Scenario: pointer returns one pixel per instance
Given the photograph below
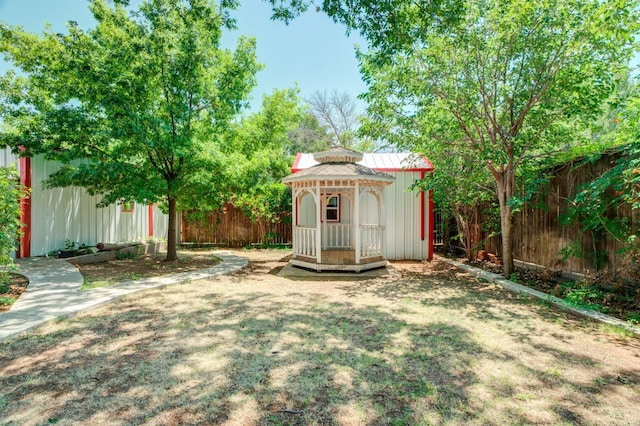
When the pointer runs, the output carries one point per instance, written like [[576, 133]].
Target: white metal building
[[53, 216], [366, 202]]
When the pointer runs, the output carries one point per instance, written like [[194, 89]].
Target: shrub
[[10, 193]]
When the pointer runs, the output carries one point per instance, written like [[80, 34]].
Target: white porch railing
[[370, 241], [304, 241], [336, 235]]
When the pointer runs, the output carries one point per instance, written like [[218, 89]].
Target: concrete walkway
[[54, 290], [562, 304]]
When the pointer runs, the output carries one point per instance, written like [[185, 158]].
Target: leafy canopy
[[139, 99], [510, 79], [260, 145]]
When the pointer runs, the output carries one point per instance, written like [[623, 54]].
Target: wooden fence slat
[[538, 235], [232, 228]]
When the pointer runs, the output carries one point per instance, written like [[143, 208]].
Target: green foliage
[[6, 301], [634, 317], [309, 136], [122, 255], [141, 99], [507, 80], [572, 249], [10, 226], [582, 295], [586, 297], [260, 144], [388, 26], [596, 204]]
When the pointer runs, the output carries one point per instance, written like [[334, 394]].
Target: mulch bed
[[618, 300], [17, 285]]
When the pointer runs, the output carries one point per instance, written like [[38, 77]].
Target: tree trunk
[[463, 229], [504, 189], [172, 253], [507, 249]]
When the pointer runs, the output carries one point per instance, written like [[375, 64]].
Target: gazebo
[[338, 213]]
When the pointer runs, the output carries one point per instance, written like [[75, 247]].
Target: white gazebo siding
[[407, 212], [61, 214]]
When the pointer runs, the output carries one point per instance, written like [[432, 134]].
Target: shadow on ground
[[436, 349]]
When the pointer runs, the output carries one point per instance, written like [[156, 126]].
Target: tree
[[508, 74], [142, 98], [10, 194], [308, 136], [388, 26], [461, 188], [337, 112], [259, 144]]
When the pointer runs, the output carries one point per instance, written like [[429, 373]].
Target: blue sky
[[312, 51]]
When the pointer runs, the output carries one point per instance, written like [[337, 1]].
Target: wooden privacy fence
[[539, 237], [232, 228]]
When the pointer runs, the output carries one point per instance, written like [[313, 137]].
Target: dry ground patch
[[431, 346], [149, 265]]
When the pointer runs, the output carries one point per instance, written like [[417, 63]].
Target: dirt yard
[[428, 345], [118, 270]]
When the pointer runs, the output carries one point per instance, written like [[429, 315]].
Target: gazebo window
[[332, 210]]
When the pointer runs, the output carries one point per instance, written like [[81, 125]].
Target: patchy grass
[[431, 347], [134, 268]]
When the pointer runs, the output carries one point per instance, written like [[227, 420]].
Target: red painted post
[[25, 209], [150, 220], [422, 215], [431, 226]]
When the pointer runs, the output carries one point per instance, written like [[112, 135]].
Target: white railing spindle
[[304, 241], [370, 241]]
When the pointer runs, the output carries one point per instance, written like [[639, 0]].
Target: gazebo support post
[[318, 223], [356, 220]]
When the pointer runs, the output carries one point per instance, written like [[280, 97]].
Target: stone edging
[[562, 304]]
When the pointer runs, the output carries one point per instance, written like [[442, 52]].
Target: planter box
[[137, 249]]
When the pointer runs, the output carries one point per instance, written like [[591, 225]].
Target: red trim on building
[[25, 209], [422, 216], [296, 162], [150, 220], [431, 226], [416, 169]]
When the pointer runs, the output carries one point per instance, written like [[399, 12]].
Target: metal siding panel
[[392, 223], [70, 213], [403, 219], [7, 158], [160, 223], [410, 223]]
